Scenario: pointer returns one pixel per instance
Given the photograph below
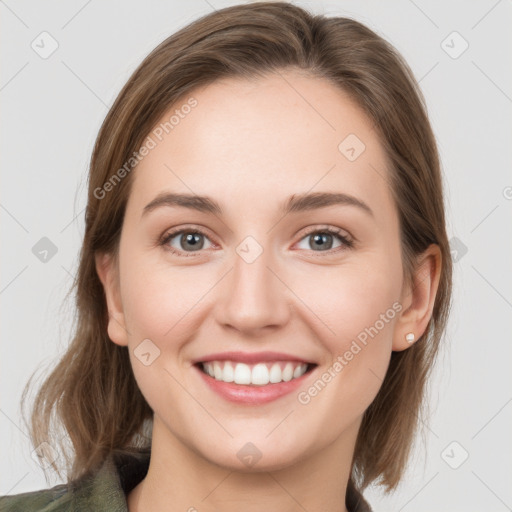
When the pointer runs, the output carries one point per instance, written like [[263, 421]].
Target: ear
[[418, 298], [108, 272]]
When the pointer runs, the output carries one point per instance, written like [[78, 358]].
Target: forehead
[[263, 138]]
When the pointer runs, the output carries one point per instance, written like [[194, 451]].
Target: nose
[[255, 298]]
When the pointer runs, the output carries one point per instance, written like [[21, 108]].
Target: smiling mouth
[[260, 374]]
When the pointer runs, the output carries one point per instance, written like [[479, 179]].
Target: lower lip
[[253, 395]]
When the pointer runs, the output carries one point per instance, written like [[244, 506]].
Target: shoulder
[[100, 491], [56, 499]]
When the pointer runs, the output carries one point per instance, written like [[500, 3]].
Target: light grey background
[[52, 110]]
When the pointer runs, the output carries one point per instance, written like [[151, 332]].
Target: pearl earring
[[410, 337]]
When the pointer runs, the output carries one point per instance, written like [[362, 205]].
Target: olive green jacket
[[106, 490]]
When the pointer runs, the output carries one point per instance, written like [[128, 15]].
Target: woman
[[264, 280]]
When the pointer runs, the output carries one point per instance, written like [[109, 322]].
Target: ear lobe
[[420, 295], [107, 270]]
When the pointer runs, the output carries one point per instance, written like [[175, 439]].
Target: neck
[[181, 479]]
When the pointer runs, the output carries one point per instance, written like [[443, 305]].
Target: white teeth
[[288, 372], [242, 374], [227, 374], [298, 372], [275, 374], [260, 374], [217, 371]]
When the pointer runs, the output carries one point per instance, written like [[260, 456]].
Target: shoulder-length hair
[[92, 392]]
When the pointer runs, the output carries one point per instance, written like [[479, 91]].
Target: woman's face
[[254, 276]]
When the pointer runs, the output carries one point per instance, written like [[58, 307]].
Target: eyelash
[[347, 243]]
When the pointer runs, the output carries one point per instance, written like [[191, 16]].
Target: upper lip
[[250, 357]]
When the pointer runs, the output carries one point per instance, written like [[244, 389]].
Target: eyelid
[[171, 233], [345, 237], [347, 240], [328, 228]]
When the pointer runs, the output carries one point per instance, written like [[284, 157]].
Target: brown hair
[[92, 391]]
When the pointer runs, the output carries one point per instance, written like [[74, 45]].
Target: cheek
[[158, 300], [350, 298], [359, 307]]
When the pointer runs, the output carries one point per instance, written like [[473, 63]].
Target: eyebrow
[[296, 203]]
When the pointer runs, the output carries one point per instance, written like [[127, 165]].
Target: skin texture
[[250, 145]]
